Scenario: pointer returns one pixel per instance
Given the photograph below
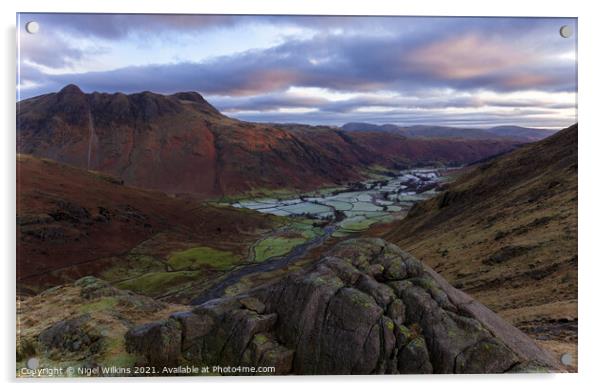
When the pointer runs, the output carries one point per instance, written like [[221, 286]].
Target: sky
[[470, 72]]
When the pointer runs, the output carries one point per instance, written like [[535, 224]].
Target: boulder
[[253, 304], [159, 343], [75, 335]]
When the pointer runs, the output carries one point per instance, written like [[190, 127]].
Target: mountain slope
[[506, 232], [181, 144], [72, 222]]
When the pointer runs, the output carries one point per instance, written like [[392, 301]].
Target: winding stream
[[345, 212], [271, 264]]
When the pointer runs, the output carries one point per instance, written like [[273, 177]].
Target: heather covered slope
[[72, 222], [181, 144], [506, 232]]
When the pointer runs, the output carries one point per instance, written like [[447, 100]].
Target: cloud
[[119, 26], [415, 58], [408, 117], [346, 64], [48, 50], [468, 57], [434, 100]]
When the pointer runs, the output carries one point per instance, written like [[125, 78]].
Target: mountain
[[516, 133], [181, 144], [506, 232], [107, 250], [73, 222]]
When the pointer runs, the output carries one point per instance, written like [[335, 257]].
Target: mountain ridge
[[517, 133], [180, 143]]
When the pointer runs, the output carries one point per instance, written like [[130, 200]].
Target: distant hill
[[520, 132], [516, 133], [506, 232], [181, 144]]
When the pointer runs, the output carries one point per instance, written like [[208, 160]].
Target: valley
[[297, 194], [81, 223], [160, 202], [358, 206], [330, 213]]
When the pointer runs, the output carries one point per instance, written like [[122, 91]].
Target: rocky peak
[[192, 96], [202, 104], [72, 103], [70, 89]]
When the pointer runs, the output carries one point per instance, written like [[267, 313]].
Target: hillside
[[72, 223], [506, 232], [181, 144]]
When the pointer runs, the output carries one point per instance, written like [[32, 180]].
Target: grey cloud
[[338, 63], [118, 26], [372, 54], [49, 50], [274, 101]]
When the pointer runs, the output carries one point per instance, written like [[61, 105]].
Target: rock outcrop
[[366, 307], [81, 325]]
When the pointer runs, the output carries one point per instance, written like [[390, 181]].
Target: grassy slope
[[275, 247], [506, 232], [199, 257]]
